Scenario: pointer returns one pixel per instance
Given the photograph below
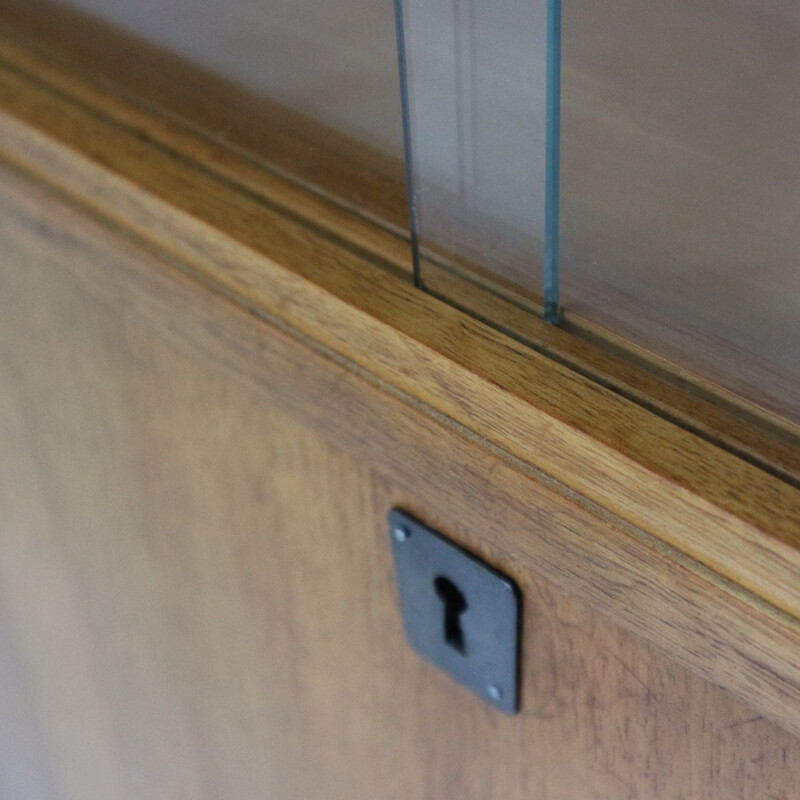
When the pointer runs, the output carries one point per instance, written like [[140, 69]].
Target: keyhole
[[454, 606]]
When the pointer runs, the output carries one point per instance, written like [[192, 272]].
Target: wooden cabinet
[[212, 390]]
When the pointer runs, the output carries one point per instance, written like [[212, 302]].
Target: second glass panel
[[479, 158]]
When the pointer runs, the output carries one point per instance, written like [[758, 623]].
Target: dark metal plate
[[458, 612]]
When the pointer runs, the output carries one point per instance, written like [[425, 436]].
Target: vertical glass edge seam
[[407, 151], [552, 310]]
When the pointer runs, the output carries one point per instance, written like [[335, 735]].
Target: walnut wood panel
[[743, 646], [196, 591]]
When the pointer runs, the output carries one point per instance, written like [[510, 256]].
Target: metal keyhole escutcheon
[[458, 612]]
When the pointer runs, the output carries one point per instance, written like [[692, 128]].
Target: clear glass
[[680, 147], [307, 54], [681, 185], [481, 114], [680, 172], [308, 87]]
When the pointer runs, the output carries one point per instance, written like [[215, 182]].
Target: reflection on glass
[[482, 135], [309, 87], [306, 54], [681, 185], [680, 144]]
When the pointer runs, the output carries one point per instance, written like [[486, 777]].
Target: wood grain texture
[[653, 383], [707, 503], [724, 637], [196, 590]]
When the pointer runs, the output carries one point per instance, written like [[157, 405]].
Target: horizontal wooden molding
[[734, 424]]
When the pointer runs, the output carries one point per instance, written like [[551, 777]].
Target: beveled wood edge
[[601, 450], [754, 434], [726, 636], [735, 427]]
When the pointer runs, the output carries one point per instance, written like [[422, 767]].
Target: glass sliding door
[[309, 88]]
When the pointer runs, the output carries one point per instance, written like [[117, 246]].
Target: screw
[[495, 693], [401, 534]]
